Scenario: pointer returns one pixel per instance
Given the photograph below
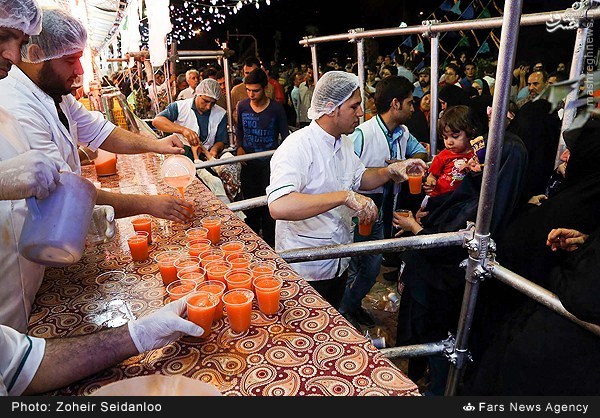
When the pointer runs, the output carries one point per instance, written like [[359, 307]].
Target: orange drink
[[405, 213], [138, 245], [196, 247], [211, 255], [239, 279], [166, 265], [187, 260], [415, 179], [217, 288], [216, 270], [268, 291], [143, 223], [213, 224], [240, 260], [180, 288], [238, 304], [105, 163], [232, 247], [364, 229], [201, 308], [195, 273], [196, 233], [262, 268]]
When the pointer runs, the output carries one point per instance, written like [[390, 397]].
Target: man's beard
[[51, 82]]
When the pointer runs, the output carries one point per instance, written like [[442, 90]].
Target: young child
[[457, 126]]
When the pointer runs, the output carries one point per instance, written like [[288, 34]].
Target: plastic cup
[[201, 307], [239, 279], [217, 288], [143, 223], [364, 229], [197, 274], [166, 265], [217, 269], [187, 260], [232, 247], [240, 260], [415, 179], [138, 245], [238, 304], [213, 254], [198, 246], [213, 224], [196, 233], [110, 282], [262, 268], [180, 288], [403, 212], [268, 292]]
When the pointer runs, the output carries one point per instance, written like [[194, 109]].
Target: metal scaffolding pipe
[[195, 53], [360, 59], [445, 239], [236, 159], [489, 23], [479, 248], [315, 63], [433, 88], [251, 203], [417, 350], [537, 293]]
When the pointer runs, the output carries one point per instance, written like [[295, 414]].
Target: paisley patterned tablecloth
[[308, 348]]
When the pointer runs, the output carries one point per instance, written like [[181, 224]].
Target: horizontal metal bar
[[489, 23], [417, 350], [537, 293], [236, 159], [193, 53], [371, 247], [254, 202]]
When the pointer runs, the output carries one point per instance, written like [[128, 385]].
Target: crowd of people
[[328, 175]]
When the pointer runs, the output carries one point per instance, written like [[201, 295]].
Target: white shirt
[[311, 161], [20, 357], [186, 93], [37, 113]]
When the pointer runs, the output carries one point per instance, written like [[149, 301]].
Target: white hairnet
[[332, 89], [209, 87], [62, 34], [23, 15]]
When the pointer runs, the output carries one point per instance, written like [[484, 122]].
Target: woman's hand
[[406, 223], [565, 239]]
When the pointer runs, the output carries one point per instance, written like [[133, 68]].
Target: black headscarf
[[453, 95]]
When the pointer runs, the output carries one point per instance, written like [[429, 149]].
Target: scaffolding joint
[[429, 23], [354, 32]]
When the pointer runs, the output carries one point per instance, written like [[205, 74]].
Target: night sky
[[291, 20]]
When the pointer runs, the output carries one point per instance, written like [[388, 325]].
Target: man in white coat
[[38, 96]]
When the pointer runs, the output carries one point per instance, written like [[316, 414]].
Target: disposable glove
[[162, 327], [398, 170], [102, 227], [29, 174], [365, 208]]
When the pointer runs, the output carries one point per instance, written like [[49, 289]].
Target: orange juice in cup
[[143, 223], [180, 288], [217, 269], [364, 229], [196, 247], [232, 247], [201, 307], [213, 254], [239, 279], [415, 179], [166, 265], [268, 292], [238, 304], [262, 268], [213, 224], [187, 260], [217, 288], [240, 260], [138, 245], [195, 273], [196, 233]]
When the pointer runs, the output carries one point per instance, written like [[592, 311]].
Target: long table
[[308, 348]]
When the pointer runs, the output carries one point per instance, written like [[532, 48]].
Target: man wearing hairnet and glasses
[[29, 364], [36, 92], [314, 178]]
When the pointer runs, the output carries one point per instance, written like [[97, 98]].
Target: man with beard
[[314, 178], [423, 84], [37, 94]]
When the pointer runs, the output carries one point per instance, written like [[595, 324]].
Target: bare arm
[[298, 206], [161, 206], [68, 360], [121, 141], [374, 177]]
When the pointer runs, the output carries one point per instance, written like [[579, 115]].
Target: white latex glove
[[32, 173], [103, 226], [398, 170], [162, 327], [365, 208]]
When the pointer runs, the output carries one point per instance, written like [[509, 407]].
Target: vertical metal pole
[[576, 67], [230, 127], [360, 60], [433, 88], [315, 63], [478, 248]]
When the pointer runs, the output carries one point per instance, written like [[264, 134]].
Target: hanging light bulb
[[268, 2]]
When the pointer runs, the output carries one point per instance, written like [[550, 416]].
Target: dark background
[[279, 27]]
